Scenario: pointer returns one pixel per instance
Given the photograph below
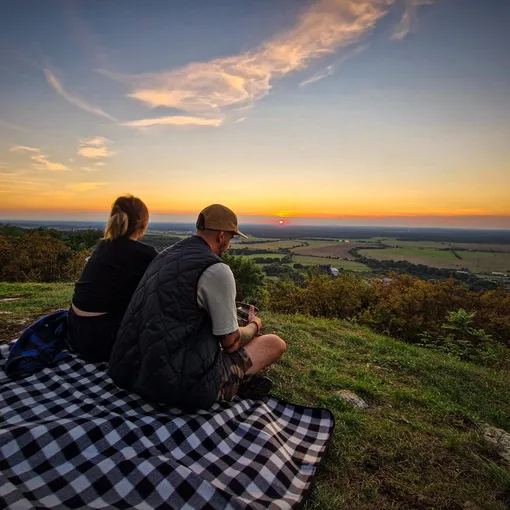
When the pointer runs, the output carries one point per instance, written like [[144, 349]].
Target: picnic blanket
[[69, 438]]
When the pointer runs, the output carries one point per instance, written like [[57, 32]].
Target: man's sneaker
[[256, 387]]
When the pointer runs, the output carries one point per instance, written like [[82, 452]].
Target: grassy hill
[[418, 445]]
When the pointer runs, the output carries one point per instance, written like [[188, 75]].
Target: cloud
[[174, 121], [409, 18], [41, 161], [206, 88], [319, 75], [18, 148], [96, 147], [242, 119], [99, 163], [85, 186], [74, 99], [329, 70]]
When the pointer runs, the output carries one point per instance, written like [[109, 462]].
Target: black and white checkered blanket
[[70, 439]]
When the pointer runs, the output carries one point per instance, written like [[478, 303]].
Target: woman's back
[[111, 275], [109, 279]]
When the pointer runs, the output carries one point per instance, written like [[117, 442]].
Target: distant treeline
[[43, 254], [424, 272], [160, 241]]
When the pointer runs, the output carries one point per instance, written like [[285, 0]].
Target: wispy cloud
[[207, 91], [40, 160], [329, 70], [85, 186], [97, 147], [208, 87], [174, 121], [213, 87], [20, 148], [242, 119], [73, 98], [409, 18], [319, 75]]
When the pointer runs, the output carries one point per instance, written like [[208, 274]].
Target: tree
[[84, 239], [249, 278]]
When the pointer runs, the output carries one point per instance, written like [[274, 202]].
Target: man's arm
[[239, 338], [242, 336]]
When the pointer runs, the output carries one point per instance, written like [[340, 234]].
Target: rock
[[10, 299], [499, 438], [352, 398]]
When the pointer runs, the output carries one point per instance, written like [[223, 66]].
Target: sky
[[348, 112]]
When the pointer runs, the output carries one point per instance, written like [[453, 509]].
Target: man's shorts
[[234, 366]]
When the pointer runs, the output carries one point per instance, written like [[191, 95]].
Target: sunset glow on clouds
[[339, 109]]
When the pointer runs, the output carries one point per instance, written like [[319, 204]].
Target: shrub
[[38, 256], [249, 278], [464, 341]]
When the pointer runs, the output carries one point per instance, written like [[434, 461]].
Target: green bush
[[443, 314], [464, 341], [249, 279]]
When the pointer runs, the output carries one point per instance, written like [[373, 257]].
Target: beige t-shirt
[[216, 294]]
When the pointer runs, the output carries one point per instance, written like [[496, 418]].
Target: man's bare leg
[[263, 351]]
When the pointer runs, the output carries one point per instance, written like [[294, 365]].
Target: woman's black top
[[111, 275]]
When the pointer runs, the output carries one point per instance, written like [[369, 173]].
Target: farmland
[[348, 265], [477, 261], [336, 250], [442, 245], [476, 257], [270, 246]]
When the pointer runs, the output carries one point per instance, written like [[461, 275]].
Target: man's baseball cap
[[218, 217]]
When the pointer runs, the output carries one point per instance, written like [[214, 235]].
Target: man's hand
[[253, 318]]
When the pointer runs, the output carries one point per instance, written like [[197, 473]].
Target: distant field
[[338, 263], [441, 245], [264, 256], [337, 250], [271, 246], [478, 261]]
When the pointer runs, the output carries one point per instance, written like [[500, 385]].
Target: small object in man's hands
[[243, 311]]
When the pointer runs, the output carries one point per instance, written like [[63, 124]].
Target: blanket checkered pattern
[[70, 439]]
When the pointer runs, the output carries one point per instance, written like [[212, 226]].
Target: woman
[[108, 281]]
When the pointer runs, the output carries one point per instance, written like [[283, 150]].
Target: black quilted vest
[[165, 349]]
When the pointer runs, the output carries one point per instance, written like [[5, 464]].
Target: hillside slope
[[418, 445]]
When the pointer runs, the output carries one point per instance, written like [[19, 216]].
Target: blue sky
[[360, 111]]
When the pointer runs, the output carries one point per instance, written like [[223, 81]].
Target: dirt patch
[[12, 327]]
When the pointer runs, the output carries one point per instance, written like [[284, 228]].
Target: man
[[180, 342]]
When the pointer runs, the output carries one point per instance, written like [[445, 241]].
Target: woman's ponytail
[[129, 214]]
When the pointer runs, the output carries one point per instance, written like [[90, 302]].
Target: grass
[[478, 261], [418, 444], [36, 299]]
